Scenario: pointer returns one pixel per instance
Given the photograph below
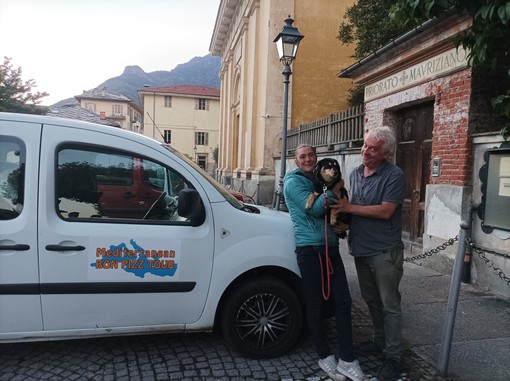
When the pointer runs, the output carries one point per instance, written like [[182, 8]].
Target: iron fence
[[344, 128]]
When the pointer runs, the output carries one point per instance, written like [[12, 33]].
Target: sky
[[67, 46]]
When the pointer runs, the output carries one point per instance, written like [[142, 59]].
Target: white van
[[107, 232]]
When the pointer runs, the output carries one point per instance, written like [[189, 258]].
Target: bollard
[[453, 297]]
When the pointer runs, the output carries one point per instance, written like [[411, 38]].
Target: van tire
[[262, 317]]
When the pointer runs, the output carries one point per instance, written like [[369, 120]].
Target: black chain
[[443, 246], [481, 254]]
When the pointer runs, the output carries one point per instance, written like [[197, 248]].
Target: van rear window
[[12, 177]]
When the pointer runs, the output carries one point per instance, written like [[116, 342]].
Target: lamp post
[[287, 43], [195, 151]]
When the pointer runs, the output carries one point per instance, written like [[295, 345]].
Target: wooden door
[[414, 148]]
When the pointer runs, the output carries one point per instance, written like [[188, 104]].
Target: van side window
[[102, 185], [12, 177]]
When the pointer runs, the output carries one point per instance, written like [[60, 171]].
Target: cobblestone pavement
[[197, 356]]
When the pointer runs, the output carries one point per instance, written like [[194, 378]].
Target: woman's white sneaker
[[351, 370], [329, 365]]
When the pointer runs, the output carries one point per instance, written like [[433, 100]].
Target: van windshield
[[225, 193]]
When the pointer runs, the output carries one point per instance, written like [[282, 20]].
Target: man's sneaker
[[351, 370], [390, 370], [367, 347], [328, 365]]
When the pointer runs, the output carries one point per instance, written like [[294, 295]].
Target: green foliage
[[215, 154], [368, 25], [487, 41], [502, 104], [356, 96], [16, 95]]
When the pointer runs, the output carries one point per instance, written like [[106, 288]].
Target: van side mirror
[[191, 206]]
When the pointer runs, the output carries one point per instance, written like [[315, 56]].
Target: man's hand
[[341, 205], [340, 228]]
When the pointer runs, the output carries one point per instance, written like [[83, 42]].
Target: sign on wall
[[431, 68]]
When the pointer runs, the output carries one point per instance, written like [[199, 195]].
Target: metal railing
[[343, 128]]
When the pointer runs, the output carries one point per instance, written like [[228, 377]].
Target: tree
[[16, 95], [487, 41], [215, 154], [367, 24]]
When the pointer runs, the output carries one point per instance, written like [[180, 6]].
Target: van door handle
[[17, 247], [65, 248], [128, 195]]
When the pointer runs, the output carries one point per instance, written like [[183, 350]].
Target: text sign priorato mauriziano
[[433, 67]]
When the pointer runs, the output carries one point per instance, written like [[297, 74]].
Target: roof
[[189, 90], [433, 28], [103, 95], [226, 11], [75, 111]]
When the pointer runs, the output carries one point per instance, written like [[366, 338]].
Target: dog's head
[[327, 172]]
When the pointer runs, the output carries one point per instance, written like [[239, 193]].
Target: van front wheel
[[262, 318]]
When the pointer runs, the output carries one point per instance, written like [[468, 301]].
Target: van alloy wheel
[[262, 318]]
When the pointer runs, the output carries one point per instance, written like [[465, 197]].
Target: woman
[[322, 270]]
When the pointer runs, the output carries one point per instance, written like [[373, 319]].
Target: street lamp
[[195, 151], [287, 43]]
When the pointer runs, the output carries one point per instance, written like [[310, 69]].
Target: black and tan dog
[[327, 175]]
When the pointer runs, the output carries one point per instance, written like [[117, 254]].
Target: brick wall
[[451, 141]]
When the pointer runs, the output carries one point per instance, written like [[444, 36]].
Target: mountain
[[202, 71]]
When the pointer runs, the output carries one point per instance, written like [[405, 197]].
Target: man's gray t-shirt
[[371, 236]]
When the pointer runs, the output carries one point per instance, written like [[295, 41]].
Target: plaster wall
[[183, 120], [317, 91], [128, 114]]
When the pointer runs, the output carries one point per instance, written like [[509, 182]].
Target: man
[[377, 189], [322, 270]]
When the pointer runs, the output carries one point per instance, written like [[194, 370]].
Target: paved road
[[197, 356], [155, 357]]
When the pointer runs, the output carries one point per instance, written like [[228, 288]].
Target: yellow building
[[252, 82], [185, 116], [112, 107]]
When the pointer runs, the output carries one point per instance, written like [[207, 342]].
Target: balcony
[[117, 116]]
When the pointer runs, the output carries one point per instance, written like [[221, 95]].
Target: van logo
[[136, 260]]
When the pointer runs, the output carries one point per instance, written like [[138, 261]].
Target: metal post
[[453, 298], [279, 193]]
